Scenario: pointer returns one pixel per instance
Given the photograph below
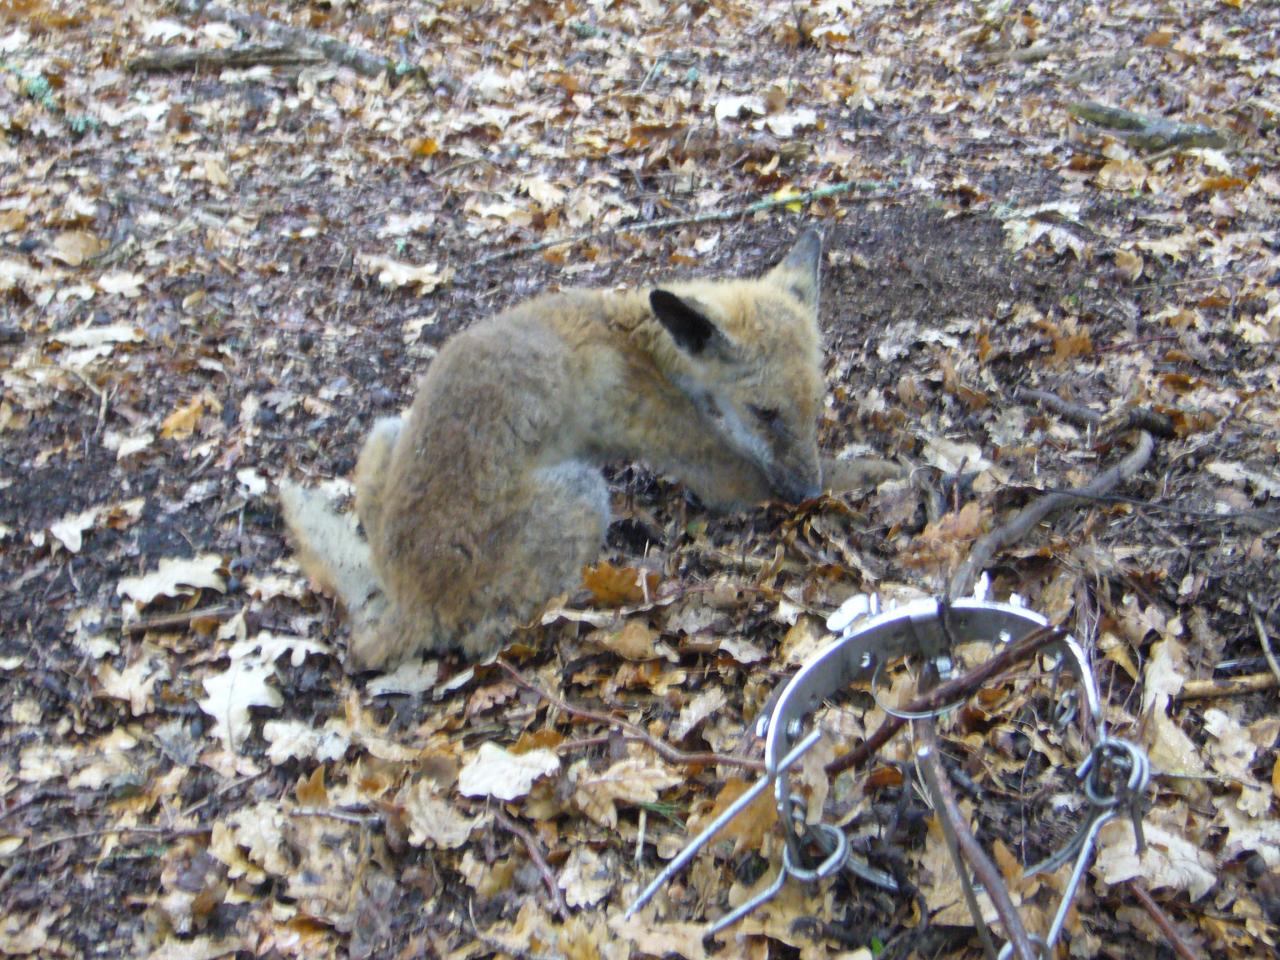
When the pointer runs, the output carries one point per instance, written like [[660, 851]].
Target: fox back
[[487, 498]]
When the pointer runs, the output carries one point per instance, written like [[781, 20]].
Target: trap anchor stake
[[1114, 775]]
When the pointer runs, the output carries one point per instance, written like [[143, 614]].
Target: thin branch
[[1162, 921], [985, 550], [944, 693], [1150, 133], [707, 216], [633, 732], [1263, 639], [1033, 54], [1255, 519], [179, 618], [1133, 418], [167, 60], [345, 816], [535, 854], [984, 870], [108, 831], [1076, 413], [361, 61], [1230, 687]]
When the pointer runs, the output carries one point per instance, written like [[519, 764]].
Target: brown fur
[[487, 498]]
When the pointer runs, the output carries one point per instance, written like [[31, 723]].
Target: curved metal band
[[916, 627]]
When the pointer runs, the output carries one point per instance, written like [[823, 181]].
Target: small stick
[[246, 55], [984, 551], [984, 870], [1149, 133], [1180, 946], [1230, 687], [1034, 54], [361, 61], [945, 693], [633, 732], [535, 854], [582, 743], [1134, 418], [362, 819], [708, 216], [179, 618], [1263, 639], [1077, 413], [107, 831]]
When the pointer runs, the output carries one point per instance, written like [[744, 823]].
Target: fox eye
[[766, 415]]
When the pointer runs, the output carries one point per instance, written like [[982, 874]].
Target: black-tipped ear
[[798, 271], [684, 320]]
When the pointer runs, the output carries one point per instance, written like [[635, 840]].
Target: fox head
[[752, 364]]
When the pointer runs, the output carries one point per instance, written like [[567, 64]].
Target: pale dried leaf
[[586, 878], [230, 695], [651, 938], [1232, 757], [433, 821], [121, 282], [293, 739], [1264, 484], [175, 577], [74, 247], [1250, 834], [1169, 861], [696, 711], [135, 684], [631, 781], [413, 676], [731, 107], [495, 772], [394, 273], [1165, 672], [69, 531], [259, 830]]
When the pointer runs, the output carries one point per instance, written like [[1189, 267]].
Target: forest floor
[[225, 248]]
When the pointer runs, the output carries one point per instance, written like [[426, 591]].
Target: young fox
[[487, 498]]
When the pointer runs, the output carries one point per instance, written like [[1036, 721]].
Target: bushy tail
[[332, 552], [330, 549]]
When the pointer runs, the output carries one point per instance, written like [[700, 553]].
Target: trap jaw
[[1114, 775]]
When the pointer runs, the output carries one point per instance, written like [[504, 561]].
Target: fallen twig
[[1032, 54], [165, 60], [1133, 418], [984, 550], [1076, 413], [343, 54], [179, 618], [345, 816], [984, 870], [1263, 639], [1162, 921], [1230, 687], [944, 693], [107, 831], [631, 731], [707, 216], [1150, 133], [539, 861]]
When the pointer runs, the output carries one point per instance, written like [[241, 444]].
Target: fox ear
[[798, 272], [686, 321]]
